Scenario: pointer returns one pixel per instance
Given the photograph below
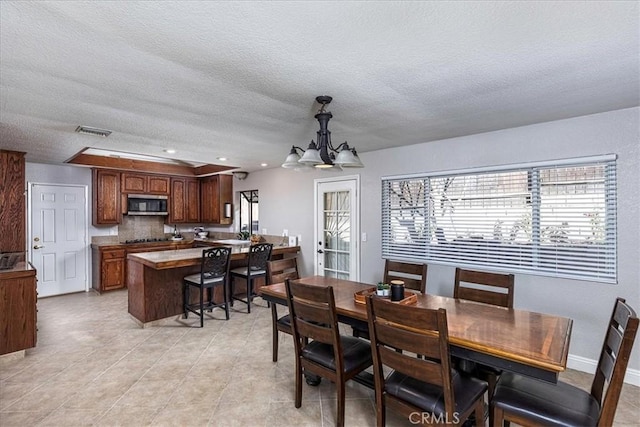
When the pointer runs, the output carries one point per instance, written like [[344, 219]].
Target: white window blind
[[556, 220]]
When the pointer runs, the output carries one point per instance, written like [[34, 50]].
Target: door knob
[[320, 251], [38, 246]]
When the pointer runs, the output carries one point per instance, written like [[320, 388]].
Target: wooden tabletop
[[532, 339]]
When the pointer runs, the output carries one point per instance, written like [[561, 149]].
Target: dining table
[[525, 342]]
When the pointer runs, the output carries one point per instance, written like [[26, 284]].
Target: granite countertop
[[185, 257]]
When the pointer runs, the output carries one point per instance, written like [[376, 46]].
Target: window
[[556, 219], [249, 212]]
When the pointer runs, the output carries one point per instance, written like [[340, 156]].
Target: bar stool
[[256, 267], [214, 271]]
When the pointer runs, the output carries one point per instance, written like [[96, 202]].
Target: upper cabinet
[[145, 184], [13, 205], [191, 200], [216, 196], [106, 197], [184, 201]]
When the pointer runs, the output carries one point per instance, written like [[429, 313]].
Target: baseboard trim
[[583, 364]]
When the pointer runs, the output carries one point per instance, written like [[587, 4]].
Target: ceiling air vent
[[93, 131]]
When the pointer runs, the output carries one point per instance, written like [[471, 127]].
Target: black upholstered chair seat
[[195, 278], [285, 321], [549, 404], [355, 353], [250, 272], [429, 397]]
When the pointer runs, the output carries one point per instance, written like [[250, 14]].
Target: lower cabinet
[[108, 269], [18, 298], [109, 263]]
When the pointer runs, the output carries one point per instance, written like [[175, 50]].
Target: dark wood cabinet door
[[106, 197], [13, 205], [184, 200], [210, 200], [177, 200], [192, 200], [112, 270], [215, 192], [158, 185], [17, 310], [134, 183]]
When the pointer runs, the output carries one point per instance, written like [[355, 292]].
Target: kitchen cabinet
[[13, 206], [145, 184], [108, 268], [106, 197], [216, 193], [184, 201], [18, 311], [109, 262]]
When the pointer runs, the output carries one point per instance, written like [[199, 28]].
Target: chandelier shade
[[323, 155]]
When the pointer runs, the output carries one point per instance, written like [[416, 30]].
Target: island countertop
[[161, 260]]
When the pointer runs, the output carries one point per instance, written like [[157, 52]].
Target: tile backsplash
[[136, 227]]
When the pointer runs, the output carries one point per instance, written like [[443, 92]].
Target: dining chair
[[277, 272], [256, 267], [214, 272], [425, 390], [531, 402], [326, 353], [414, 277], [489, 288]]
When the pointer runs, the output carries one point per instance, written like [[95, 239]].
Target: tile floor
[[94, 366]]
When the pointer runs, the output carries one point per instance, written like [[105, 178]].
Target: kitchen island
[[155, 285]]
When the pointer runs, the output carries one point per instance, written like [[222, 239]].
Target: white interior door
[[338, 228], [58, 237]]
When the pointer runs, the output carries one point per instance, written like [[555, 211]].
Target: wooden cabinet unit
[[215, 192], [106, 197], [13, 205], [108, 268], [18, 308], [144, 184], [108, 263], [184, 201]]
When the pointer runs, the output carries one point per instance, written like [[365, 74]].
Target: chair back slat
[[281, 269], [494, 288], [421, 369], [414, 276], [400, 338], [614, 358]]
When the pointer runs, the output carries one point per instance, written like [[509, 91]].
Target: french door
[[337, 227]]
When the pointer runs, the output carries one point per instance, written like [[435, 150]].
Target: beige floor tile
[[95, 365], [127, 416]]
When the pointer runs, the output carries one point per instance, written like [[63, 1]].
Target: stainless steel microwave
[[146, 204]]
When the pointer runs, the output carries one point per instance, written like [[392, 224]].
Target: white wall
[[286, 201]]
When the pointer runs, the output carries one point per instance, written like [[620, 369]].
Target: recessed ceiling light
[[264, 165], [170, 150], [222, 159]]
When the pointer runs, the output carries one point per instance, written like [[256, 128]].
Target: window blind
[[555, 220]]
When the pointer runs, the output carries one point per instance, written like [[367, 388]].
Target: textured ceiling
[[239, 79]]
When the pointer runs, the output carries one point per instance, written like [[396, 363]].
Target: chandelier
[[323, 155]]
